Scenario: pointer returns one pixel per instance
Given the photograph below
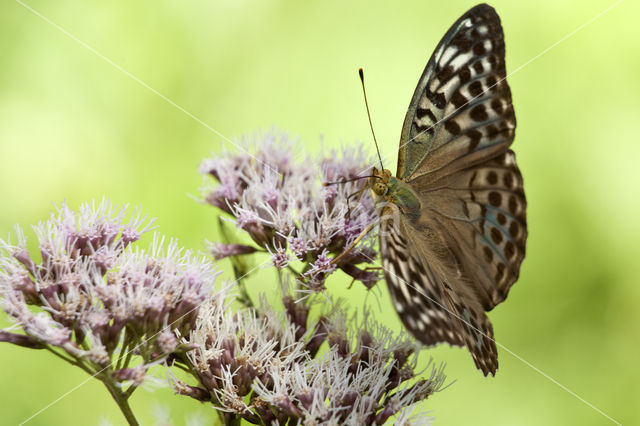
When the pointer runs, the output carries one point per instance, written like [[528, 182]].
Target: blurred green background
[[74, 127]]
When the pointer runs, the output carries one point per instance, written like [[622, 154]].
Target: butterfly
[[452, 222]]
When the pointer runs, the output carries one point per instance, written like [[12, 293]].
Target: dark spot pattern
[[492, 131], [513, 229], [509, 250], [421, 113], [479, 113], [474, 139], [499, 272], [497, 106], [488, 254], [458, 100], [495, 199], [465, 75], [445, 75], [475, 88], [508, 180], [439, 100], [452, 127], [479, 49], [496, 235]]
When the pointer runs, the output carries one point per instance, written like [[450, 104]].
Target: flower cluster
[[266, 368], [94, 299], [282, 204], [98, 302]]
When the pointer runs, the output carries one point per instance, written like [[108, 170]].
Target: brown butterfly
[[452, 222]]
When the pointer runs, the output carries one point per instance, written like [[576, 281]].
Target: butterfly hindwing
[[461, 112], [482, 213], [430, 299]]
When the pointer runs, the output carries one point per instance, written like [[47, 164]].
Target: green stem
[[122, 400], [59, 355], [296, 273], [128, 355], [244, 298]]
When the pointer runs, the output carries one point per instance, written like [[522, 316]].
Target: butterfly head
[[379, 181]]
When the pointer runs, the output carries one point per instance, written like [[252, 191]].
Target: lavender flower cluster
[[266, 367], [114, 310], [94, 300], [279, 199]]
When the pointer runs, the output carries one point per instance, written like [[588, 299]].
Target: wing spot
[[496, 235], [495, 199], [422, 112], [479, 113], [474, 136], [475, 88], [514, 229], [508, 180], [452, 127], [502, 219], [439, 100], [492, 178], [480, 48], [497, 106], [477, 66], [488, 254], [492, 131], [465, 75], [458, 99], [509, 250], [446, 74], [493, 61], [499, 272]]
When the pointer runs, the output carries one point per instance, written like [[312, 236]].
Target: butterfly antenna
[[361, 73], [340, 182]]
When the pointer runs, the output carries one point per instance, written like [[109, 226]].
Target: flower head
[[366, 376], [281, 202], [94, 295]]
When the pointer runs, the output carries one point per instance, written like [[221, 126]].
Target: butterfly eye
[[379, 188]]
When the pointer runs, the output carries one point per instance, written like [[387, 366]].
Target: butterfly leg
[[359, 194], [364, 232]]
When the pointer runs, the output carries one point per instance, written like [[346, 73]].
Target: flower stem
[[122, 400]]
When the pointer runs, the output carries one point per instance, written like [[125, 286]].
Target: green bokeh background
[[74, 127]]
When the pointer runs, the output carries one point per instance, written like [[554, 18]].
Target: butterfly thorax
[[387, 189]]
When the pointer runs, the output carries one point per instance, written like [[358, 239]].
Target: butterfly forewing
[[460, 255], [461, 110]]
